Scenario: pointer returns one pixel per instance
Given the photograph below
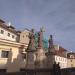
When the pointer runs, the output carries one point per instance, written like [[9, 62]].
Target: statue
[[31, 45], [40, 38], [51, 46], [30, 63]]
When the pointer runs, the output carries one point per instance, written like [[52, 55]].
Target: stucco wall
[[24, 37], [62, 61], [5, 35], [71, 63]]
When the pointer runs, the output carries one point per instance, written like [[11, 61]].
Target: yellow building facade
[[71, 60], [5, 56], [12, 48]]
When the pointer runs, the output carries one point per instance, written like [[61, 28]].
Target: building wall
[[7, 43], [24, 37], [71, 63], [14, 53], [62, 61], [4, 60], [71, 59], [56, 47], [5, 35]]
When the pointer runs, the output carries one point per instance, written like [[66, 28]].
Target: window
[[71, 56], [23, 36], [26, 35], [4, 54], [12, 36], [9, 34], [2, 31]]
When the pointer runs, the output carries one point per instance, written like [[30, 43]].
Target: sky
[[56, 16]]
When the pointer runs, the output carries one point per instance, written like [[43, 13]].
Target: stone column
[[40, 54], [50, 54], [30, 63]]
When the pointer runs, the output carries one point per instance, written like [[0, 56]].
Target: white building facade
[[61, 56], [61, 60], [7, 32]]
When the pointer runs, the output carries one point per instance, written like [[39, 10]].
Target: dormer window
[[9, 34], [71, 56], [2, 31]]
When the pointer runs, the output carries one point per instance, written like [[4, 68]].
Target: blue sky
[[56, 16]]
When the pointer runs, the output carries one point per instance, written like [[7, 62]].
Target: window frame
[[2, 31], [4, 54], [8, 34], [13, 36]]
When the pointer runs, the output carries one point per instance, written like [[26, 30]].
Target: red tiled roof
[[61, 52]]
